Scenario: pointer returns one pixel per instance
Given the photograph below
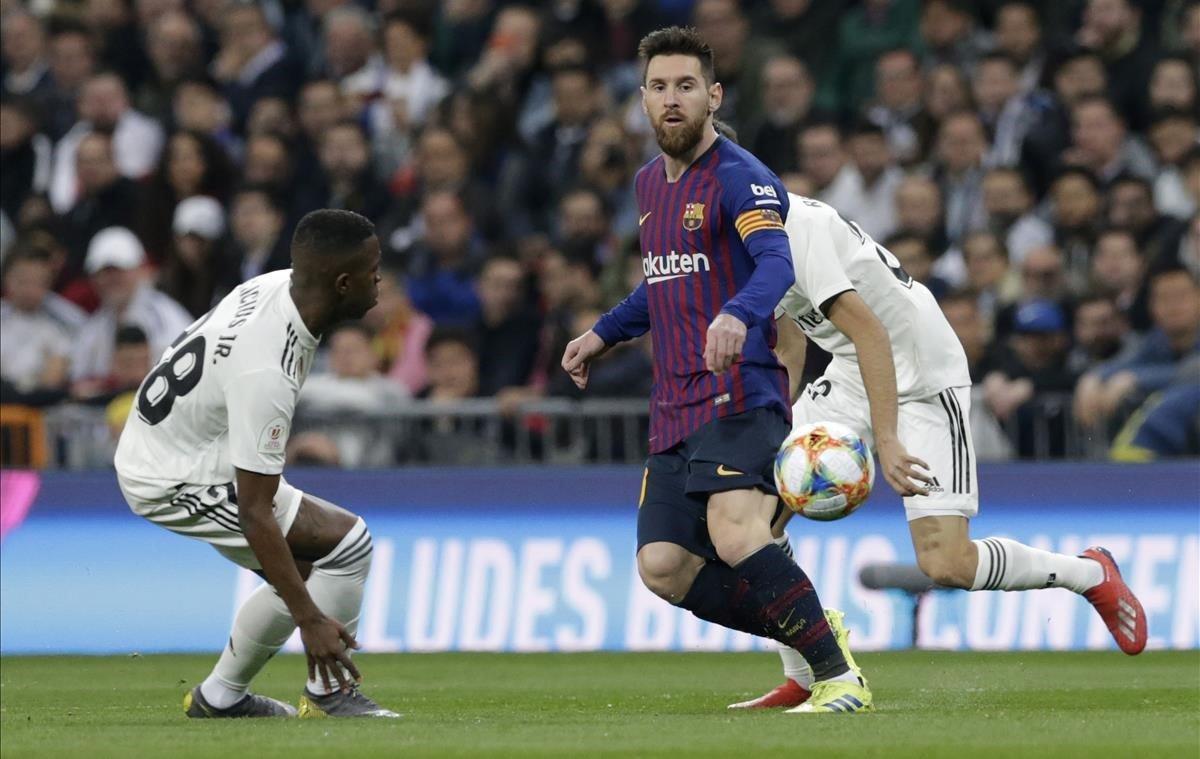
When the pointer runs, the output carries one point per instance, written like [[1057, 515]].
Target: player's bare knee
[[946, 566], [667, 570]]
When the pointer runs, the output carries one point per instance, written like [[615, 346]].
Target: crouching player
[[203, 453], [899, 379]]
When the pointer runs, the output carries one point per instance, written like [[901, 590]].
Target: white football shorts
[[207, 513], [936, 430]]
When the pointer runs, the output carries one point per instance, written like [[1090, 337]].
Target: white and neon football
[[824, 471]]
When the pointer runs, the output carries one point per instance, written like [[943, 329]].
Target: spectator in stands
[[26, 71], [1019, 36], [915, 258], [989, 275], [199, 268], [441, 265], [738, 63], [1034, 359], [1166, 425], [115, 261], [1173, 138], [508, 56], [1075, 212], [876, 179], [507, 330], [1008, 112], [919, 210], [198, 106], [1175, 308], [269, 164], [411, 87], [352, 57], [961, 309], [349, 179], [24, 153], [257, 222], [252, 62], [1114, 30], [787, 92], [898, 109], [1100, 142], [1076, 77], [959, 170], [1118, 269], [192, 165], [351, 387], [607, 165], [584, 222], [1043, 278], [809, 27], [1009, 207], [104, 105], [946, 90], [1173, 84], [72, 62], [36, 329], [131, 363], [1131, 205], [551, 162], [401, 332], [105, 199], [949, 34], [174, 44], [823, 160], [320, 105], [1101, 333]]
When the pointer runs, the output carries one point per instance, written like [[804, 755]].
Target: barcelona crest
[[693, 216]]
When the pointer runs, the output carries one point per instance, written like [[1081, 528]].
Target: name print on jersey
[[673, 266], [247, 302]]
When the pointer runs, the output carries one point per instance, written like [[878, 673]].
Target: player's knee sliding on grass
[[218, 409]]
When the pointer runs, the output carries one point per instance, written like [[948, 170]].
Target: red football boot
[[1116, 604], [785, 696]]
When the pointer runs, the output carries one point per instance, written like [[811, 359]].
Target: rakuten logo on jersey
[[673, 266]]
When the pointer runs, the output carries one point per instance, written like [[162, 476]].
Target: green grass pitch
[[972, 705]]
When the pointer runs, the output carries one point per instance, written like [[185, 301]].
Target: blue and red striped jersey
[[711, 242]]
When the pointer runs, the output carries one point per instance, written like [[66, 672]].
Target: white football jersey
[[223, 395], [832, 255]]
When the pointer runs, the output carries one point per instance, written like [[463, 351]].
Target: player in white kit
[[202, 456], [899, 379]]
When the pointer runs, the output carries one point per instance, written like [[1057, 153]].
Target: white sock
[[336, 586], [261, 626], [1008, 565], [794, 666]]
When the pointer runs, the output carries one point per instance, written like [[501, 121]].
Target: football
[[824, 471]]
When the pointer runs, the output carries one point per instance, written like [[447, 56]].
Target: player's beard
[[678, 141]]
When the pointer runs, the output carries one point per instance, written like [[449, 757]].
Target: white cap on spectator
[[199, 215], [116, 247]]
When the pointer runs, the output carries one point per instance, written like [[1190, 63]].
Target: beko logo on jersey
[[673, 266]]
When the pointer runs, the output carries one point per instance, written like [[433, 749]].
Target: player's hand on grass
[[900, 469], [726, 336], [579, 352], [328, 644]]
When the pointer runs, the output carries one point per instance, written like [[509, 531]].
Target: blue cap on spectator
[[1039, 316]]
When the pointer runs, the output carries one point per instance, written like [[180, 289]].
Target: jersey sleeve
[[628, 319], [757, 203], [260, 405], [818, 257]]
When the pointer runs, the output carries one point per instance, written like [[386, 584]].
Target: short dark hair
[[444, 335], [1126, 178], [1078, 171], [269, 193], [677, 40], [1119, 230], [131, 334], [331, 231], [998, 56], [1096, 296], [960, 296]]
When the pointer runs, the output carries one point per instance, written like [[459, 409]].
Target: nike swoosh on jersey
[[642, 218], [723, 472]]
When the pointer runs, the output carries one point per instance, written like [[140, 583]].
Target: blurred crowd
[[1035, 164]]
